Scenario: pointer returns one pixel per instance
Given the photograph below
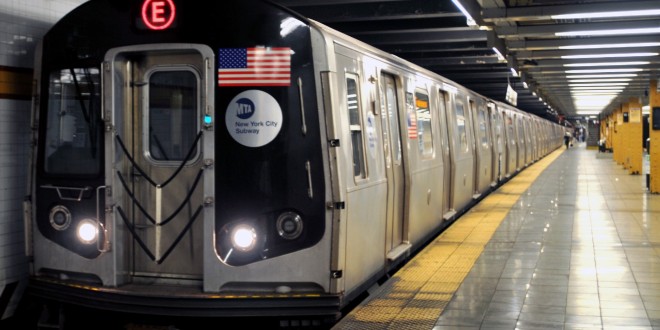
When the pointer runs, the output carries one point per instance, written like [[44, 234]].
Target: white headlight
[[87, 231], [243, 237]]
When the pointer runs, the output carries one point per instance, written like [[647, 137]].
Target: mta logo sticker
[[253, 118], [244, 108]]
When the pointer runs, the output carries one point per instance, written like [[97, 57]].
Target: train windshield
[[73, 125]]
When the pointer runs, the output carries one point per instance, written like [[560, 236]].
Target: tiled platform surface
[[577, 247]]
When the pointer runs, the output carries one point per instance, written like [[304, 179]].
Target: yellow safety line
[[416, 295]]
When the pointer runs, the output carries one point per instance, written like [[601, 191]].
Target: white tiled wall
[[22, 24]]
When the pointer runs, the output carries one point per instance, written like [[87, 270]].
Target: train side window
[[424, 120], [460, 125], [74, 128], [483, 129], [173, 103], [355, 123]]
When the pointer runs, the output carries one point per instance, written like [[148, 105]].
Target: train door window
[[73, 130], [460, 125], [424, 120], [483, 129], [355, 123], [509, 125], [392, 112], [172, 115]]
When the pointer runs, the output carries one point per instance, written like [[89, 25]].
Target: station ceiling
[[572, 58]]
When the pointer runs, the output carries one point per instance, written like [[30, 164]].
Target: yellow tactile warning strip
[[416, 295]]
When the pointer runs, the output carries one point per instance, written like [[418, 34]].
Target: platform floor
[[571, 242]]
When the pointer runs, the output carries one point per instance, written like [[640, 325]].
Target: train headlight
[[244, 238], [289, 225], [87, 231], [60, 217]]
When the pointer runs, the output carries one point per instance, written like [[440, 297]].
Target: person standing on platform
[[567, 139]]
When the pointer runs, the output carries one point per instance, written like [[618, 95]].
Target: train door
[[389, 98], [443, 102], [496, 142], [511, 145], [157, 140], [472, 114]]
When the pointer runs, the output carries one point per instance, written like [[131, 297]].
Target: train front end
[[179, 165]]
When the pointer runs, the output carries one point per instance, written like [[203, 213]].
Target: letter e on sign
[[158, 14]]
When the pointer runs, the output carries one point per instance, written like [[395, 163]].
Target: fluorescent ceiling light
[[470, 20], [605, 46], [605, 70], [608, 32], [584, 76], [499, 55], [607, 63], [623, 13], [587, 112], [613, 88], [594, 93], [598, 85], [599, 80], [514, 72], [609, 55]]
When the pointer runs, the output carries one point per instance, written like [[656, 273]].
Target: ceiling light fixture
[[470, 20], [584, 76], [599, 85], [599, 80], [605, 70], [499, 54], [606, 46], [623, 13], [567, 57], [607, 63], [607, 32]]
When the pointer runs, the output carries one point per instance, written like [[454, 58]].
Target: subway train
[[235, 159]]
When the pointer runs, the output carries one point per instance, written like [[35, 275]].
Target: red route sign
[[158, 14]]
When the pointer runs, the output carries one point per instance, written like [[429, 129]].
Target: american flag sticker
[[257, 66]]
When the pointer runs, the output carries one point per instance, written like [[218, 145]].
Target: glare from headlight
[[244, 238], [87, 231]]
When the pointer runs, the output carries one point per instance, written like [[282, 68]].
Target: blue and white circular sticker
[[253, 118]]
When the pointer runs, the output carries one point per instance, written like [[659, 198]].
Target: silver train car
[[234, 159]]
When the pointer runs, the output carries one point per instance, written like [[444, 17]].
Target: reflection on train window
[[424, 120], [74, 127], [460, 124], [353, 106], [483, 130], [173, 100]]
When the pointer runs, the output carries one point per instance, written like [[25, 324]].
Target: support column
[[616, 136], [654, 135], [633, 144]]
